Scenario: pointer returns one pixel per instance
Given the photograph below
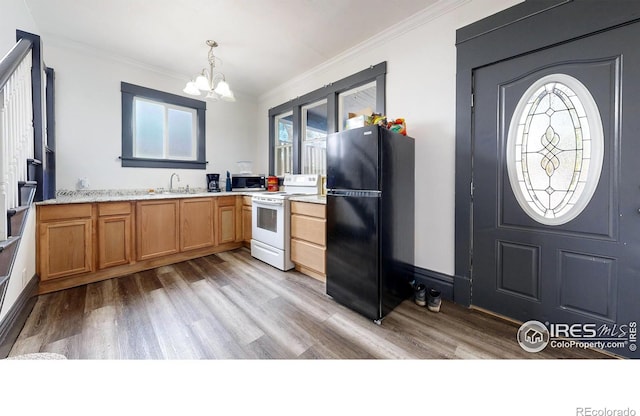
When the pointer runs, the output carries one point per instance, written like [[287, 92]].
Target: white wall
[[88, 122], [421, 71], [14, 15]]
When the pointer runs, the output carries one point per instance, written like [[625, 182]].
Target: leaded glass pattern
[[555, 149]]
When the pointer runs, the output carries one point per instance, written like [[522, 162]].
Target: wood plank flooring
[[231, 306]]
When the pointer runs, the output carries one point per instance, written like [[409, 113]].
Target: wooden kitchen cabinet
[[114, 234], [196, 223], [226, 219], [157, 228], [246, 220], [308, 238], [81, 243], [65, 240]]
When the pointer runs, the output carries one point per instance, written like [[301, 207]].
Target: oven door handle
[[268, 203]]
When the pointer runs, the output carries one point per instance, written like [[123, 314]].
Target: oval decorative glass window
[[555, 149]]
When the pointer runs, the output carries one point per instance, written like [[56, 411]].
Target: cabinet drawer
[[308, 228], [307, 208], [63, 212], [225, 201], [308, 255], [114, 208], [246, 200]]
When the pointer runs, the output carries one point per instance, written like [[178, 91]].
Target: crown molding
[[419, 19], [86, 49]]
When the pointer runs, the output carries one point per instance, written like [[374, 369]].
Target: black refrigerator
[[370, 219]]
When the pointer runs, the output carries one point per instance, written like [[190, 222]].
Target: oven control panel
[[267, 200]]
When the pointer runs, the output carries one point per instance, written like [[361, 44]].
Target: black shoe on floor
[[434, 300]]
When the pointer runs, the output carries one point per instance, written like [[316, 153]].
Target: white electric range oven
[[270, 219]]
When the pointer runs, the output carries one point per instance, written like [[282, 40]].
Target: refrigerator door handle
[[354, 192]]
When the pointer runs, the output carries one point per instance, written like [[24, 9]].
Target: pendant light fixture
[[210, 83]]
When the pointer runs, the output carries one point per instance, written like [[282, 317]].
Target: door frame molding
[[496, 38]]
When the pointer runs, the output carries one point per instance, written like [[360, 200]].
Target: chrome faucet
[[171, 181]]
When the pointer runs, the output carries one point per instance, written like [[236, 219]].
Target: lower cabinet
[[65, 243], [308, 238], [157, 228], [80, 243], [114, 234], [246, 220], [196, 223], [226, 219]]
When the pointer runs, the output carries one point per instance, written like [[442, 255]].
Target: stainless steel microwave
[[248, 182]]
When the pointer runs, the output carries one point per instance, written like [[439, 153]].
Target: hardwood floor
[[231, 306]]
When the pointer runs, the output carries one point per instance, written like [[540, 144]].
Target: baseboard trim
[[15, 319], [435, 280]]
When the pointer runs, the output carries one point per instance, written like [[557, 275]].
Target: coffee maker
[[213, 182]]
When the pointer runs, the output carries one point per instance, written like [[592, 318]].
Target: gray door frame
[[496, 38]]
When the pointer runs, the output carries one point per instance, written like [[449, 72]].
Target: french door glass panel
[[314, 138], [284, 144], [356, 101]]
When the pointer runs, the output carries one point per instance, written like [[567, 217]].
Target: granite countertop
[[314, 199], [114, 195]]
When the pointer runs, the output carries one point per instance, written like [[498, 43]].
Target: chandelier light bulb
[[191, 88], [202, 82], [223, 88], [229, 97]]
